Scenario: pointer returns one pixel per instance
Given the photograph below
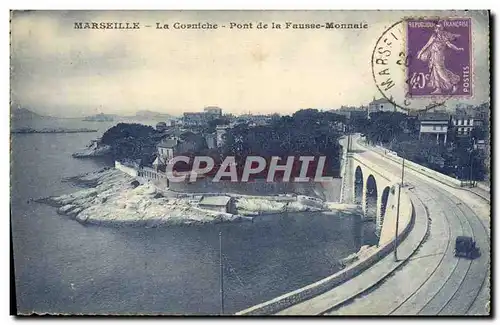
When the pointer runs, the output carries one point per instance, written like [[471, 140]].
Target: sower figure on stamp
[[434, 52]]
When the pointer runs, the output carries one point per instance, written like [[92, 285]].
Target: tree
[[131, 141], [479, 132], [192, 143], [212, 124], [383, 127], [307, 132]]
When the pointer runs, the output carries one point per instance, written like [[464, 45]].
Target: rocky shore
[[111, 197], [94, 149], [92, 152]]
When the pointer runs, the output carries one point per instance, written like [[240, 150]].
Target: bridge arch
[[383, 208], [374, 186], [358, 186], [371, 198]]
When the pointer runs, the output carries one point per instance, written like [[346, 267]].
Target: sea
[[64, 267]]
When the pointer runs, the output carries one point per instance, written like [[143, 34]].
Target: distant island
[[145, 114], [51, 130], [20, 115], [24, 114], [140, 115], [100, 118]]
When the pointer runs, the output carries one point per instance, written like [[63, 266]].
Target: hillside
[[24, 114]]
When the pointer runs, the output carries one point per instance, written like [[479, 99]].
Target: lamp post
[[471, 161], [397, 213], [221, 275]]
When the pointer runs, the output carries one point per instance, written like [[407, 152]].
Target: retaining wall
[[482, 186], [273, 306], [127, 170], [419, 168]]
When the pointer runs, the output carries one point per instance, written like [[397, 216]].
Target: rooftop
[[167, 143], [380, 101], [464, 115], [434, 117], [215, 200]]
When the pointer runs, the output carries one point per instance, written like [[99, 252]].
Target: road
[[434, 281]]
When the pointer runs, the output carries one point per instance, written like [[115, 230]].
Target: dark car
[[466, 246]]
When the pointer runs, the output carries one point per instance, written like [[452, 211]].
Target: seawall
[[406, 221], [126, 169], [327, 190]]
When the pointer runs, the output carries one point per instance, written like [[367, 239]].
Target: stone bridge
[[371, 187]]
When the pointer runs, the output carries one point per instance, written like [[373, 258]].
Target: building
[[195, 119], [166, 150], [351, 112], [254, 120], [211, 139], [338, 126], [480, 112], [218, 203], [434, 126], [436, 108], [161, 126], [215, 111], [202, 118], [380, 105], [220, 132], [464, 124], [480, 144]]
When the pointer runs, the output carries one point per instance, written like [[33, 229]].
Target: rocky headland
[[111, 197]]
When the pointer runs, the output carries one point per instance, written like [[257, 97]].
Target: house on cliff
[[165, 150], [185, 144]]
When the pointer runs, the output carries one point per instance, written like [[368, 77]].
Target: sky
[[61, 71]]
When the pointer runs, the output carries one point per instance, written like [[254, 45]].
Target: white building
[[381, 105], [213, 110], [463, 123], [211, 139], [434, 126], [165, 151], [220, 132]]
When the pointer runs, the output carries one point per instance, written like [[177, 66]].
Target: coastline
[[92, 152], [110, 197]]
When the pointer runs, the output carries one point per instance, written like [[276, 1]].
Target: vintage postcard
[[251, 162]]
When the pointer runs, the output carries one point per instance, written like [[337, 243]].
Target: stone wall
[[328, 191], [388, 230], [419, 168], [126, 169], [407, 216]]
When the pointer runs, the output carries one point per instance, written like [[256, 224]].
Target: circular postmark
[[390, 61]]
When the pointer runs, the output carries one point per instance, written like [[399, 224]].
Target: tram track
[[437, 299], [447, 248], [466, 278]]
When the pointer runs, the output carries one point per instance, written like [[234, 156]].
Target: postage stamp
[[419, 63], [441, 51]]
